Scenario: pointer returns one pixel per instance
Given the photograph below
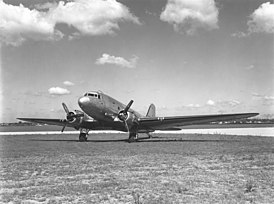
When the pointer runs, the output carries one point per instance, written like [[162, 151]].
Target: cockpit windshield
[[93, 94]]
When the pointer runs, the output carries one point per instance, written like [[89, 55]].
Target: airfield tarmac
[[175, 168]]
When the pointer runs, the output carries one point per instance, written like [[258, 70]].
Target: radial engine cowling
[[75, 116], [128, 117]]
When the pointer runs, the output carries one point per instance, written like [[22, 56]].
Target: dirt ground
[[166, 169]]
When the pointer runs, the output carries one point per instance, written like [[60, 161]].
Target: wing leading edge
[[164, 123], [60, 122]]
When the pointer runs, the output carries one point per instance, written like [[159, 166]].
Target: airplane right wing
[[176, 122]]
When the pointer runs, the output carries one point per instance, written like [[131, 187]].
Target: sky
[[186, 56]]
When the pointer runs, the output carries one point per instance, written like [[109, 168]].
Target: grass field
[[168, 169]]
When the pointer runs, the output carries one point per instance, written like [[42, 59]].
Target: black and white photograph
[[136, 101]]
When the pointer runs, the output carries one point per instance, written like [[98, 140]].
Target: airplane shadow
[[140, 140]]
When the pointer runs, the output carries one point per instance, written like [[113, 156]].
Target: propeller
[[123, 114], [70, 116]]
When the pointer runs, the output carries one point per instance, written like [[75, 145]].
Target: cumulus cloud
[[210, 103], [45, 6], [97, 17], [262, 19], [18, 23], [119, 61], [58, 91], [189, 15], [68, 83]]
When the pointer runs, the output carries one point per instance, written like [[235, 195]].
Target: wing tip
[[253, 114]]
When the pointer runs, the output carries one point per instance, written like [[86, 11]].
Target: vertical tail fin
[[151, 111]]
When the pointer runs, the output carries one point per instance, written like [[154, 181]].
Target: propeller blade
[[65, 125], [65, 108], [63, 128], [127, 126], [128, 106]]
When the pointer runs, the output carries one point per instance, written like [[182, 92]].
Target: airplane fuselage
[[102, 107]]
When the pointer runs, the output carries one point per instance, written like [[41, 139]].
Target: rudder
[[151, 111]]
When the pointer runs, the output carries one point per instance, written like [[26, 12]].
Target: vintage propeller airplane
[[102, 112]]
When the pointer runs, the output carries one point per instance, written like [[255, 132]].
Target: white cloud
[[45, 6], [263, 97], [189, 15], [256, 94], [239, 34], [234, 102], [18, 23], [68, 83], [96, 17], [210, 103], [58, 91], [252, 66], [193, 105], [268, 98], [262, 19], [119, 61]]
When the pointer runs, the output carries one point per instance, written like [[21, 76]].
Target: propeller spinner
[[71, 116]]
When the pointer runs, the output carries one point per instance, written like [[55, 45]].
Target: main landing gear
[[83, 137], [133, 137]]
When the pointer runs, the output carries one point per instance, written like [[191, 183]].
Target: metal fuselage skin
[[104, 109]]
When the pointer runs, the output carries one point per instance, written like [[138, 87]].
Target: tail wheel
[[83, 137]]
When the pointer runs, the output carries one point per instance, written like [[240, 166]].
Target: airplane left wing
[[167, 123], [60, 122]]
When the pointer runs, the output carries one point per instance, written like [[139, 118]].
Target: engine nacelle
[[75, 116], [129, 118]]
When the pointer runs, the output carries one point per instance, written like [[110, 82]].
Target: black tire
[[132, 137], [83, 137]]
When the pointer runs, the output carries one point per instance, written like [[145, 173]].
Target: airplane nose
[[83, 101]]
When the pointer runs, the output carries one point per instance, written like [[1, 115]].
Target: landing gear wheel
[[132, 137], [83, 137]]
